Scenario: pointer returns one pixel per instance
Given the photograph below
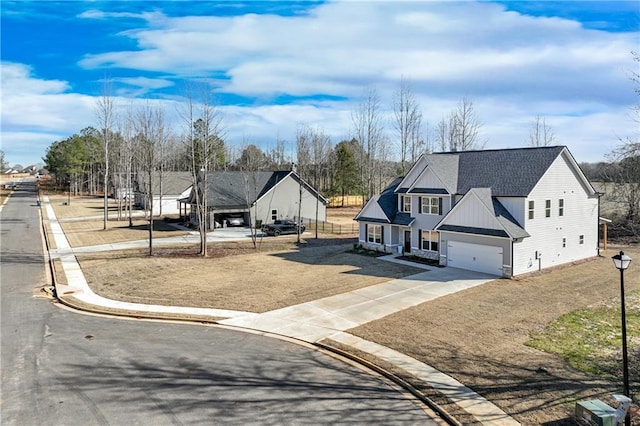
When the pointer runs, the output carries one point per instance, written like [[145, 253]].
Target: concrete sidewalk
[[313, 321]]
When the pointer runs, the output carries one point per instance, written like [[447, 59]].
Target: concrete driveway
[[320, 319]]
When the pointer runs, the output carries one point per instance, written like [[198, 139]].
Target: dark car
[[281, 227]]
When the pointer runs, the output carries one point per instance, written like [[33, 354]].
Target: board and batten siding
[[474, 214], [284, 197], [428, 180], [548, 234]]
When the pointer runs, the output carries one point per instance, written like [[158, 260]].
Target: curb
[[331, 351], [444, 414]]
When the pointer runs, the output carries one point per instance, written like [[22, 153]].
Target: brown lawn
[[237, 277], [88, 233], [478, 336]]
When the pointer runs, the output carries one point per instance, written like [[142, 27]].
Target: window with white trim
[[547, 208], [431, 205], [561, 207], [430, 240], [274, 214], [531, 209], [581, 239], [406, 204], [564, 242], [374, 234]]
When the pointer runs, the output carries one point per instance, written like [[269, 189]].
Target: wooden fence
[[346, 201]]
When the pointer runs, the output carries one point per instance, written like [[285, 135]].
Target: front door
[[407, 241]]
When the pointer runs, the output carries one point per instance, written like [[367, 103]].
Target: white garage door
[[475, 257]]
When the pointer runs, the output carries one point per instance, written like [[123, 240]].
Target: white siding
[[547, 233], [285, 197], [373, 210], [472, 212], [428, 180], [515, 206]]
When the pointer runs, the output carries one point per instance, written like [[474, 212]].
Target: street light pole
[[622, 262]]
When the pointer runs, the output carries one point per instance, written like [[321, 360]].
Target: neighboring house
[[503, 212], [259, 198], [167, 190]]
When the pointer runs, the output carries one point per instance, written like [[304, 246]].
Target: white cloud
[[512, 66]]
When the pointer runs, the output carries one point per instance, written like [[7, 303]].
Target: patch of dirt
[[478, 336]]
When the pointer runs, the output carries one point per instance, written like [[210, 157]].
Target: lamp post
[[622, 262]]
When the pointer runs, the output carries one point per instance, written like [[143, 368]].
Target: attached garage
[[475, 257]]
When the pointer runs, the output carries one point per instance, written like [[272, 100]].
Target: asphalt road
[[64, 368]]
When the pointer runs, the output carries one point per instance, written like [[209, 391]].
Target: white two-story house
[[503, 212]]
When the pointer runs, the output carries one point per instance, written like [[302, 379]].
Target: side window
[[561, 207], [581, 239], [564, 242], [374, 234], [274, 214], [531, 206], [547, 208], [406, 204]]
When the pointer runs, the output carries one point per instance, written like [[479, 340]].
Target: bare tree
[[320, 148], [250, 162], [105, 115], [624, 171], [541, 133], [467, 127], [460, 131], [368, 129], [407, 122], [127, 166], [203, 136], [303, 153], [149, 125]]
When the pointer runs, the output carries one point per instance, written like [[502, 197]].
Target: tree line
[[127, 141]]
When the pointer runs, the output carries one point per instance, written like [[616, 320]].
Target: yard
[[482, 336]]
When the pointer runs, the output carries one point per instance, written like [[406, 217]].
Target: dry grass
[[478, 336], [58, 271], [85, 233], [82, 206], [235, 276], [4, 194]]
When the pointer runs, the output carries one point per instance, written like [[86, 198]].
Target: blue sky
[[277, 65]]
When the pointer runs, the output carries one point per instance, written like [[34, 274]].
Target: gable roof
[[387, 201], [508, 226], [241, 189], [508, 172], [173, 183]]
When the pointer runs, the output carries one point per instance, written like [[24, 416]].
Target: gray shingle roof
[[387, 201], [508, 172], [240, 189], [173, 183]]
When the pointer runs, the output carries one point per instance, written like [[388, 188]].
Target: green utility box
[[595, 412]]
